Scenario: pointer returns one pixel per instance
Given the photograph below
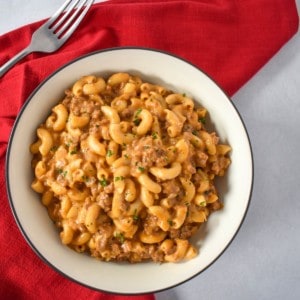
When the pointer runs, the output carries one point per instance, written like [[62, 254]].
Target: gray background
[[263, 261]]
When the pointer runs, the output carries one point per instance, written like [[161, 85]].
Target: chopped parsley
[[103, 182], [141, 169], [120, 237], [118, 178], [54, 148], [138, 112], [85, 178], [202, 120], [195, 132], [62, 172], [137, 122], [170, 222], [109, 153], [59, 171], [154, 135], [135, 216], [74, 151]]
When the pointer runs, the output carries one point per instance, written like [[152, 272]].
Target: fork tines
[[61, 23]]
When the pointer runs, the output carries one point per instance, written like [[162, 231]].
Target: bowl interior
[[212, 239]]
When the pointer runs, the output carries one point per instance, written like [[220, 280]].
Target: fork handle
[[14, 60]]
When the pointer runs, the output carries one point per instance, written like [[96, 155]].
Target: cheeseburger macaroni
[[126, 169]]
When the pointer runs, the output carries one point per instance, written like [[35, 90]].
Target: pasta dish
[[126, 169]]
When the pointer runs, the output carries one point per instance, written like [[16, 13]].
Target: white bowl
[[235, 188]]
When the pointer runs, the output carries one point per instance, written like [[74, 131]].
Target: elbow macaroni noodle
[[126, 169]]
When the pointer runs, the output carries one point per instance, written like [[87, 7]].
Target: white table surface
[[263, 262]]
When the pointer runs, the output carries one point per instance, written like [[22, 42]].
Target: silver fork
[[55, 32]]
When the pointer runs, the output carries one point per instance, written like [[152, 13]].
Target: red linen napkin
[[230, 40]]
